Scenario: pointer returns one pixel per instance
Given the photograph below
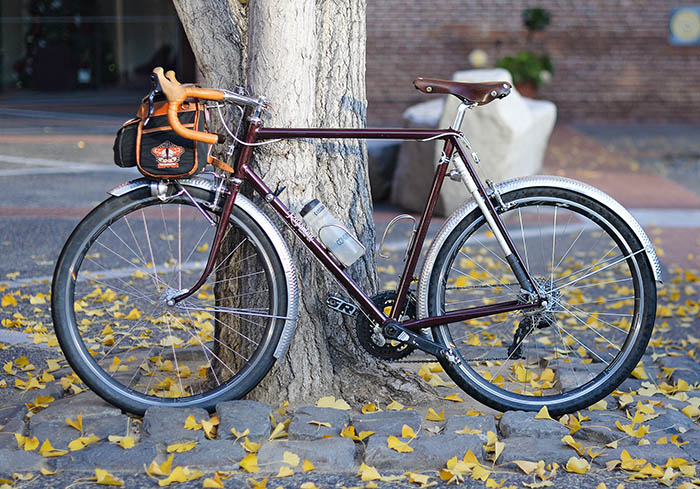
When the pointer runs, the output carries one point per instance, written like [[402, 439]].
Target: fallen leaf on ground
[[180, 474], [398, 445], [181, 447], [332, 402], [105, 478]]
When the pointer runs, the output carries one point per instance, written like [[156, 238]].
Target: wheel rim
[[193, 351], [581, 262]]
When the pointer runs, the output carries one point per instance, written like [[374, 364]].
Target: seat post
[[457, 124]]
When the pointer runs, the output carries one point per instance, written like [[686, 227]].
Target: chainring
[[390, 350]]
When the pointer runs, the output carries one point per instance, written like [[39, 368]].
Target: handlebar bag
[[151, 144]]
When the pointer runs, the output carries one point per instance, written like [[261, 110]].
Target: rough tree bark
[[308, 58]]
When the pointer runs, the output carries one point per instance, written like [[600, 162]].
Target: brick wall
[[612, 59]]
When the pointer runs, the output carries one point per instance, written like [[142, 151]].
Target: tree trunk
[[307, 57]]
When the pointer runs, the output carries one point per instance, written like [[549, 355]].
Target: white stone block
[[510, 135]]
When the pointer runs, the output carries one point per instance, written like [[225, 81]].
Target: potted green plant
[[529, 69]]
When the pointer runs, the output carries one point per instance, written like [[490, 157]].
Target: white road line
[[54, 166]]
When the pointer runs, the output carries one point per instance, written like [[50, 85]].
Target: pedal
[[343, 307]]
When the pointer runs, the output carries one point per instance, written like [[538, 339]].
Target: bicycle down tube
[[245, 173]]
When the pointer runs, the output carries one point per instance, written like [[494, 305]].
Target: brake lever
[[155, 88]]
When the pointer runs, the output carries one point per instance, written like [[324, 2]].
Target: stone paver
[[168, 424], [12, 461], [533, 450], [212, 455], [302, 426], [244, 415], [332, 454], [387, 423], [109, 456], [60, 434], [483, 424], [86, 403], [430, 452], [524, 424]]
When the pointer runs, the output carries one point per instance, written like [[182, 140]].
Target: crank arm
[[395, 331]]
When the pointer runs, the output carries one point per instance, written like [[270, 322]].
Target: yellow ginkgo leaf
[[407, 432], [576, 445], [433, 416], [278, 432], [319, 423], [368, 473], [396, 444], [467, 431], [307, 466], [82, 442], [126, 442], [48, 451], [215, 483], [77, 424], [285, 471], [395, 406], [250, 463], [453, 398], [258, 485], [577, 465], [417, 478], [163, 469], [46, 471], [9, 300], [249, 446], [133, 314], [526, 466], [209, 427], [240, 435], [601, 405], [492, 484], [543, 413], [332, 402], [31, 444], [290, 458], [480, 473], [498, 449], [369, 408], [308, 485], [181, 447], [538, 485], [191, 423], [106, 479], [180, 474], [473, 412]]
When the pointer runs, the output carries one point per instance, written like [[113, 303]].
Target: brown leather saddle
[[479, 93]]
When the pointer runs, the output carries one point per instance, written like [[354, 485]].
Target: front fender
[[528, 182], [270, 230]]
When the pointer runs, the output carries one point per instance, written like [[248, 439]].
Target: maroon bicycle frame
[[243, 173]]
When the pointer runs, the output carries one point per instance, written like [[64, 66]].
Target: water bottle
[[342, 245]]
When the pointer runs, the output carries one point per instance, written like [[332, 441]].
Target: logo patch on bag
[[168, 154]]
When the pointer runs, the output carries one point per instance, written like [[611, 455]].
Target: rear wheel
[[110, 302], [600, 293]]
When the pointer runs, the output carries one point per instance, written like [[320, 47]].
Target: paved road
[[56, 164]]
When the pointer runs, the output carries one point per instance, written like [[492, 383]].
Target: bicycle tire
[[505, 359], [113, 265]]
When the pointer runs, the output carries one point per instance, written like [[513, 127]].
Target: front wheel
[[600, 303], [110, 302]]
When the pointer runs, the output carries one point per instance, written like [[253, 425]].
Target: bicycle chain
[[430, 359]]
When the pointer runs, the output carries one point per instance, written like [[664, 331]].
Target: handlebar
[[176, 95]]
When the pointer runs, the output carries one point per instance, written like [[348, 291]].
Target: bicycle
[[540, 291]]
